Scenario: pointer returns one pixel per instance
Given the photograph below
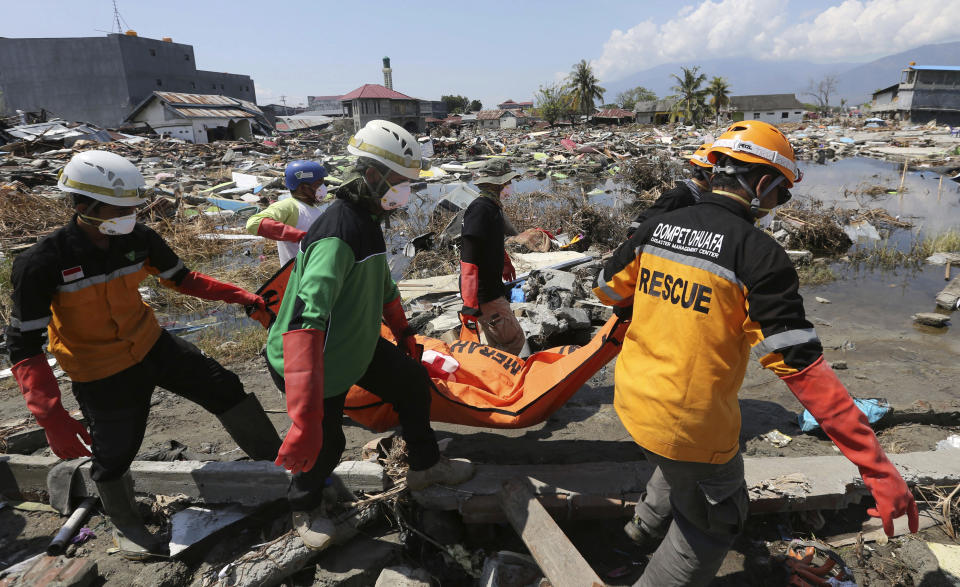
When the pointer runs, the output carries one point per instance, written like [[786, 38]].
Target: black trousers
[[116, 407], [398, 380]]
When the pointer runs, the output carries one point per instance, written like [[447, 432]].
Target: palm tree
[[719, 89], [583, 87], [691, 99]]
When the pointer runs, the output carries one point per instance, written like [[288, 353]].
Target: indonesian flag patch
[[72, 274]]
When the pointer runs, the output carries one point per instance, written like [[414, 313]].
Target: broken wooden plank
[[557, 557], [58, 571], [238, 482], [830, 482]]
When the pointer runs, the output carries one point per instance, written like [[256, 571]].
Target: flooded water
[[884, 298], [930, 207]]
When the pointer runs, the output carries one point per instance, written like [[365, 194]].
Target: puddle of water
[[885, 299]]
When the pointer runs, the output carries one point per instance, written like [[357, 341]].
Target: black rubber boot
[[129, 533], [251, 429]]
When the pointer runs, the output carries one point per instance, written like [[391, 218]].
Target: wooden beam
[[557, 557]]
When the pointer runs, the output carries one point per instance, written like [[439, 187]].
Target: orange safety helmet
[[753, 141], [699, 157]]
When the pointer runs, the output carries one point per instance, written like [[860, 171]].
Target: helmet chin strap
[[755, 198]]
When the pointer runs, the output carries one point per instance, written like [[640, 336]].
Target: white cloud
[[764, 29]]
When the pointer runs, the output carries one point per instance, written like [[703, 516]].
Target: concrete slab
[[949, 297], [403, 577], [357, 563], [596, 490], [245, 483], [948, 555]]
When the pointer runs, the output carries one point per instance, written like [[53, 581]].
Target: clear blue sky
[[490, 51]]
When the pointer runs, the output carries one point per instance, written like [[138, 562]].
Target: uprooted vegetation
[[564, 211], [568, 212], [812, 228], [644, 174], [24, 216]]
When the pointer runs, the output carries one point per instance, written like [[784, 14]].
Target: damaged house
[[655, 111], [198, 118], [376, 102], [925, 93], [502, 119], [772, 108]]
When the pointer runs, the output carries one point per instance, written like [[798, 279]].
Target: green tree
[[455, 103], [719, 96], [628, 99], [475, 106], [553, 103], [584, 87], [691, 98]]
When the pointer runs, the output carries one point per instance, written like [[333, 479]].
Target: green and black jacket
[[339, 284]]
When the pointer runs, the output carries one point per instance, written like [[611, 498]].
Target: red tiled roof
[[525, 103], [507, 102], [374, 91], [614, 113]]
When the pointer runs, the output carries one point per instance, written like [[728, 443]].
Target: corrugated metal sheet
[[490, 114], [291, 123], [212, 112], [614, 113], [203, 99]]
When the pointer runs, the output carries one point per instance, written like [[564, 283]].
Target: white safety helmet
[[389, 144], [105, 177]]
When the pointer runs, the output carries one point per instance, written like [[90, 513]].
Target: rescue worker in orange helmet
[[79, 285], [706, 285]]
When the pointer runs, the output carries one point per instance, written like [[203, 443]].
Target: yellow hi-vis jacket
[[706, 286]]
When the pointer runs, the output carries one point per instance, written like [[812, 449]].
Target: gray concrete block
[[357, 563], [403, 577]]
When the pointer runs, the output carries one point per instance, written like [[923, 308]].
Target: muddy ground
[[885, 356]]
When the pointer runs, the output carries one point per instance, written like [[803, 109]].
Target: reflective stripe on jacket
[[88, 300]]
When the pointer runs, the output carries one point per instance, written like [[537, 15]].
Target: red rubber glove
[[509, 273], [303, 384], [39, 387], [396, 320], [278, 231], [207, 288], [469, 289], [820, 391]]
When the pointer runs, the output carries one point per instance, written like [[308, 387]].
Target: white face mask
[[397, 196], [321, 193], [115, 226], [506, 191]]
